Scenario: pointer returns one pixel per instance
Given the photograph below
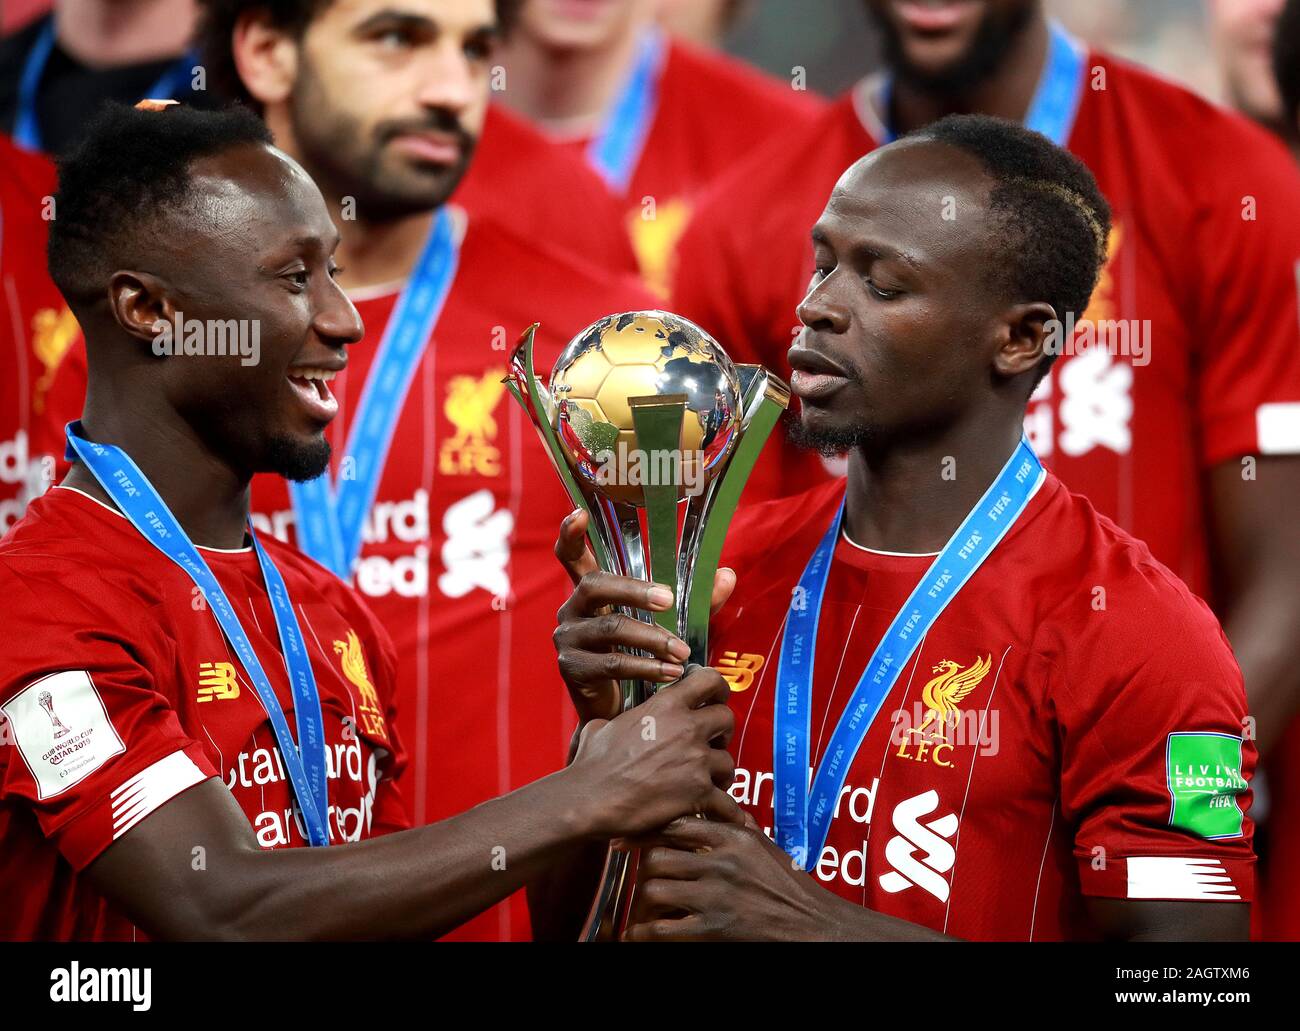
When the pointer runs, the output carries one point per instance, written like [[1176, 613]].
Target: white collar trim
[[892, 554], [931, 554]]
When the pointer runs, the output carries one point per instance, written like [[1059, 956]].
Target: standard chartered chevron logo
[[476, 553], [920, 853]]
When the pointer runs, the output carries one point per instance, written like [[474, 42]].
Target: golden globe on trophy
[[654, 432]]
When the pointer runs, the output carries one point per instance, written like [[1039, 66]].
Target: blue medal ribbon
[[305, 760], [331, 516], [803, 814], [616, 149], [27, 126], [1056, 98]]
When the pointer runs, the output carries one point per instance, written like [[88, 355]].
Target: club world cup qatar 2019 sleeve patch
[[62, 730]]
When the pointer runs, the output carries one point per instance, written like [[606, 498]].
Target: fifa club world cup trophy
[[653, 432]]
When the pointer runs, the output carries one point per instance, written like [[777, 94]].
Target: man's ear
[[141, 304], [266, 57], [1031, 332]]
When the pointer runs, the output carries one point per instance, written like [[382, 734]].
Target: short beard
[[830, 442], [996, 35], [345, 160], [295, 460]]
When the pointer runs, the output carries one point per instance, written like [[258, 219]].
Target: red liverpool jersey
[[711, 110], [36, 327], [1094, 737], [457, 559], [1201, 274], [120, 692], [518, 178]]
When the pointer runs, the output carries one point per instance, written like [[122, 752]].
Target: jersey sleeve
[[1247, 275], [97, 747], [1156, 758]]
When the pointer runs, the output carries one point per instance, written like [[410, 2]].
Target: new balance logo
[[217, 682], [913, 838], [738, 669]]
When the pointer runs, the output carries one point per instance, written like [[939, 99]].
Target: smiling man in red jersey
[[1184, 427], [432, 507], [967, 705], [186, 704], [659, 119]]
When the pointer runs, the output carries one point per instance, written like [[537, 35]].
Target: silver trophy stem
[[607, 915]]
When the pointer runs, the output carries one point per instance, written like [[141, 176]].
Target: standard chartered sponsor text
[[754, 789]]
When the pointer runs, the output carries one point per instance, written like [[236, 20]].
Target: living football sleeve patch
[[1203, 771], [62, 730]]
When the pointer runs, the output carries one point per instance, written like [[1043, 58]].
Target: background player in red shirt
[[455, 549], [1059, 753], [516, 177], [36, 328], [123, 698], [1190, 444], [659, 119]]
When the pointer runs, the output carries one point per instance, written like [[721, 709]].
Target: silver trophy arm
[[709, 516]]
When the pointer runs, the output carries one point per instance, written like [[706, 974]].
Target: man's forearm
[[415, 884], [560, 897], [420, 883]]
